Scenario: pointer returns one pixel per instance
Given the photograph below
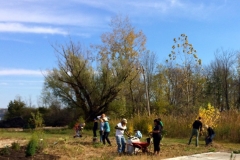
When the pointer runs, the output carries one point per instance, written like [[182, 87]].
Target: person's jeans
[[212, 136], [195, 132], [121, 142], [101, 135], [209, 139]]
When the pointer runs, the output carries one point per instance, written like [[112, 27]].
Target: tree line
[[123, 78]]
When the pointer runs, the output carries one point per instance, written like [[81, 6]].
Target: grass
[[65, 146]]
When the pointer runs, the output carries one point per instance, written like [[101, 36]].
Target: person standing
[[196, 129], [121, 142], [210, 135], [160, 122], [101, 129], [106, 131], [95, 128], [156, 134], [162, 131]]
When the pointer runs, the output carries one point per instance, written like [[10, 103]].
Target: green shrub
[[32, 146], [15, 146]]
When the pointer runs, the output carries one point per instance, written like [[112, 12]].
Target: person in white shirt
[[121, 142]]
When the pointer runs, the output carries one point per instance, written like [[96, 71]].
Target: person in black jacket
[[156, 134], [210, 135], [95, 128], [196, 130]]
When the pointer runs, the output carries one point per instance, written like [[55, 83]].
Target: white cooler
[[130, 148]]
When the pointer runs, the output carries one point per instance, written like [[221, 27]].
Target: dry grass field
[[60, 144]]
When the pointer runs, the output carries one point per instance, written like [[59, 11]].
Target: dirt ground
[[8, 142], [7, 153]]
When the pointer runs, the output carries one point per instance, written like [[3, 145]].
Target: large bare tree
[[91, 82]]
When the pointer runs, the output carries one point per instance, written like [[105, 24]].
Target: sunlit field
[[60, 144]]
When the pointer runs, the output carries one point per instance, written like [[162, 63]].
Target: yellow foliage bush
[[210, 115], [149, 128]]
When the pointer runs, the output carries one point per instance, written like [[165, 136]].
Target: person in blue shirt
[[138, 134], [106, 131]]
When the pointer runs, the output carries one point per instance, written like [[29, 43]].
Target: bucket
[[130, 148]]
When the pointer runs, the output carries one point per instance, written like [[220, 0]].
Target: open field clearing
[[60, 144]]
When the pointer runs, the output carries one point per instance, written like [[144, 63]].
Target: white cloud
[[47, 12], [20, 72], [31, 16], [17, 27]]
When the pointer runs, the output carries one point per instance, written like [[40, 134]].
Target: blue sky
[[28, 28]]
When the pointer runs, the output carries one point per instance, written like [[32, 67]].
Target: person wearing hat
[[121, 142], [106, 131], [210, 135]]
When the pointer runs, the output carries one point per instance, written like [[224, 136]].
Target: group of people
[[121, 130], [104, 131], [197, 129], [156, 133]]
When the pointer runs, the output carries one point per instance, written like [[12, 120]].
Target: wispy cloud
[[20, 72], [47, 12], [161, 9], [20, 28], [15, 39], [74, 16]]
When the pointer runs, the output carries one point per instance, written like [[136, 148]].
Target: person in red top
[[196, 129], [78, 129]]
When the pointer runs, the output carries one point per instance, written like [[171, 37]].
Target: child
[[138, 134]]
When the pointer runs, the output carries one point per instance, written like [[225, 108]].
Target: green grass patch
[[15, 146]]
